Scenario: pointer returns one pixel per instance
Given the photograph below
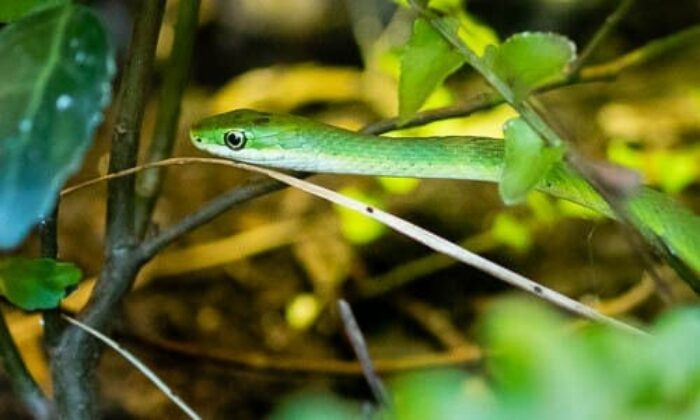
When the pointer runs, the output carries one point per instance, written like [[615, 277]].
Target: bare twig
[[417, 233], [601, 34], [359, 346], [75, 354], [162, 386], [645, 54], [174, 82], [286, 364], [436, 322]]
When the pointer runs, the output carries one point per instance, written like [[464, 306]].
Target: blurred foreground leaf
[[540, 368], [56, 67], [38, 283], [14, 9]]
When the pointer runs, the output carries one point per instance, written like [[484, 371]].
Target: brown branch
[[74, 356]]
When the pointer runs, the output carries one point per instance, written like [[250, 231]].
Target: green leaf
[[529, 60], [14, 9], [38, 283], [537, 367], [527, 160], [56, 68], [426, 61]]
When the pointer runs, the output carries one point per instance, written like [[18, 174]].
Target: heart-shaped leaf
[[426, 61], [56, 68], [529, 60], [527, 160], [38, 283]]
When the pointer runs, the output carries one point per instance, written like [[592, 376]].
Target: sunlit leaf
[[529, 60], [38, 283], [56, 67], [510, 231], [527, 160], [358, 228], [426, 61], [399, 186], [14, 9], [302, 311], [677, 170]]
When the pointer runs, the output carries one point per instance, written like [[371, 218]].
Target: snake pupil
[[235, 140]]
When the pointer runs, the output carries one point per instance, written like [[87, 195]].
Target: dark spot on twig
[[537, 290], [369, 210]]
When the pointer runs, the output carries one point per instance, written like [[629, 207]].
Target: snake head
[[244, 135]]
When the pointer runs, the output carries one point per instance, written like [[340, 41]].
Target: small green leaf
[[527, 160], [38, 283], [11, 10], [426, 61], [529, 60], [56, 68]]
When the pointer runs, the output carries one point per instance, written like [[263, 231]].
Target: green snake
[[300, 144]]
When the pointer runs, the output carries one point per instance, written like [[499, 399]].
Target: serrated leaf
[[527, 160], [11, 10], [56, 68], [426, 61], [38, 283], [530, 60]]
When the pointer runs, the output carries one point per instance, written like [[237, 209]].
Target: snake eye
[[235, 140]]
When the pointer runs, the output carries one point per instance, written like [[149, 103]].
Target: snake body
[[296, 143]]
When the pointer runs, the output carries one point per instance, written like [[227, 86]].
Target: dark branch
[[175, 78], [601, 34], [75, 355]]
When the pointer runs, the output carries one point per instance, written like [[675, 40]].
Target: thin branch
[[48, 236], [436, 322], [446, 247], [421, 267], [359, 346], [127, 127], [601, 34], [148, 373], [149, 248], [649, 52], [263, 362], [175, 78], [417, 233], [75, 355]]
